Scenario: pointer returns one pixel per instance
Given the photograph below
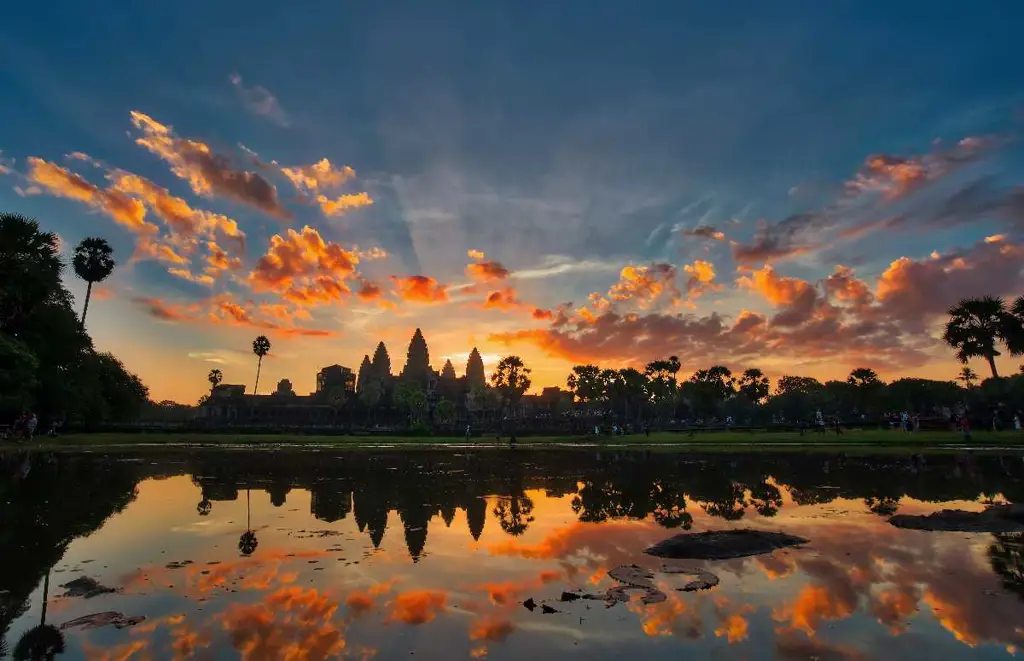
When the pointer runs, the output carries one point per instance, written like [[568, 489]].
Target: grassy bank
[[854, 439]]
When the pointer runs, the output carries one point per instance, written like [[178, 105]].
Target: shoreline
[[729, 442]]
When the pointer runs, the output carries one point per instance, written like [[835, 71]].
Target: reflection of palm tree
[[1006, 555], [514, 514], [204, 507], [41, 643], [247, 543]]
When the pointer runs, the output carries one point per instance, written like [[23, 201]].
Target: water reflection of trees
[[420, 486], [47, 503], [1006, 555]]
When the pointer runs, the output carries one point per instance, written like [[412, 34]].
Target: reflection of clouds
[[291, 624], [813, 605], [418, 606], [136, 650]]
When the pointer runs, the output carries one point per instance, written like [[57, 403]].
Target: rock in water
[[96, 620], [723, 544], [87, 587], [997, 519]]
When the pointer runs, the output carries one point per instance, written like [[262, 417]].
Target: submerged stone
[[107, 618], [996, 519], [723, 544], [86, 587]]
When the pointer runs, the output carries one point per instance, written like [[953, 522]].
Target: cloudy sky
[[802, 187]]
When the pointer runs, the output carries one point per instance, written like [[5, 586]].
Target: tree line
[[48, 364]]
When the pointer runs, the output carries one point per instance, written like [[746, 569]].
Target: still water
[[328, 555]]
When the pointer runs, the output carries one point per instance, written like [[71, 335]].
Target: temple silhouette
[[341, 394]]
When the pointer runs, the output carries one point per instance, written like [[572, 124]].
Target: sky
[[800, 187]]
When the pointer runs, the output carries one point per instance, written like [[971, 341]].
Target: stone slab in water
[[722, 544], [1001, 518]]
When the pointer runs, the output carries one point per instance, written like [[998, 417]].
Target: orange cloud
[[420, 289], [705, 232], [155, 249], [305, 269], [484, 270], [206, 172], [702, 278], [222, 310], [312, 178], [541, 314], [418, 606], [503, 299], [644, 285], [895, 176], [61, 182], [342, 204], [846, 288]]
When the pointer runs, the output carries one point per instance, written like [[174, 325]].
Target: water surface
[[354, 555]]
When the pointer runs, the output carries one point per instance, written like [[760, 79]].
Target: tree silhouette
[[445, 411], [247, 542], [93, 261], [514, 513], [369, 395], [43, 642], [214, 377], [260, 347], [975, 327], [511, 378], [968, 376], [1006, 555], [204, 507], [754, 385], [30, 270]]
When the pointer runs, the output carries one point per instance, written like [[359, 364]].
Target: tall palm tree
[[214, 377], [93, 262], [41, 643], [974, 328], [260, 347], [968, 376]]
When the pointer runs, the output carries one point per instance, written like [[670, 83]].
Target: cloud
[[61, 182], [645, 285], [222, 310], [845, 287], [484, 270], [304, 268], [419, 289], [320, 175], [798, 298], [491, 629], [418, 606], [206, 172], [341, 205], [6, 164], [915, 291], [502, 299], [704, 232], [701, 280], [781, 240], [894, 176], [161, 310], [260, 101], [555, 265]]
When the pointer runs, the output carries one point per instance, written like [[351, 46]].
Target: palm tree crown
[[975, 327], [93, 261], [214, 377]]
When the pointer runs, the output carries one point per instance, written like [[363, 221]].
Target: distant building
[[335, 376]]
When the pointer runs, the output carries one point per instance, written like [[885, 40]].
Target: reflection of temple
[[420, 487]]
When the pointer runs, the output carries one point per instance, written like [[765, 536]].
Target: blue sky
[[583, 135]]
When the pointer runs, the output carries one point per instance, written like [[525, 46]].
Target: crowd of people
[[23, 429]]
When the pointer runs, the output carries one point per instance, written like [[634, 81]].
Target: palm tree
[[41, 643], [260, 347], [247, 543], [974, 328], [204, 507], [214, 377], [93, 262], [968, 376]]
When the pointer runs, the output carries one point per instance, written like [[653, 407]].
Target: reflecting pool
[[305, 555]]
